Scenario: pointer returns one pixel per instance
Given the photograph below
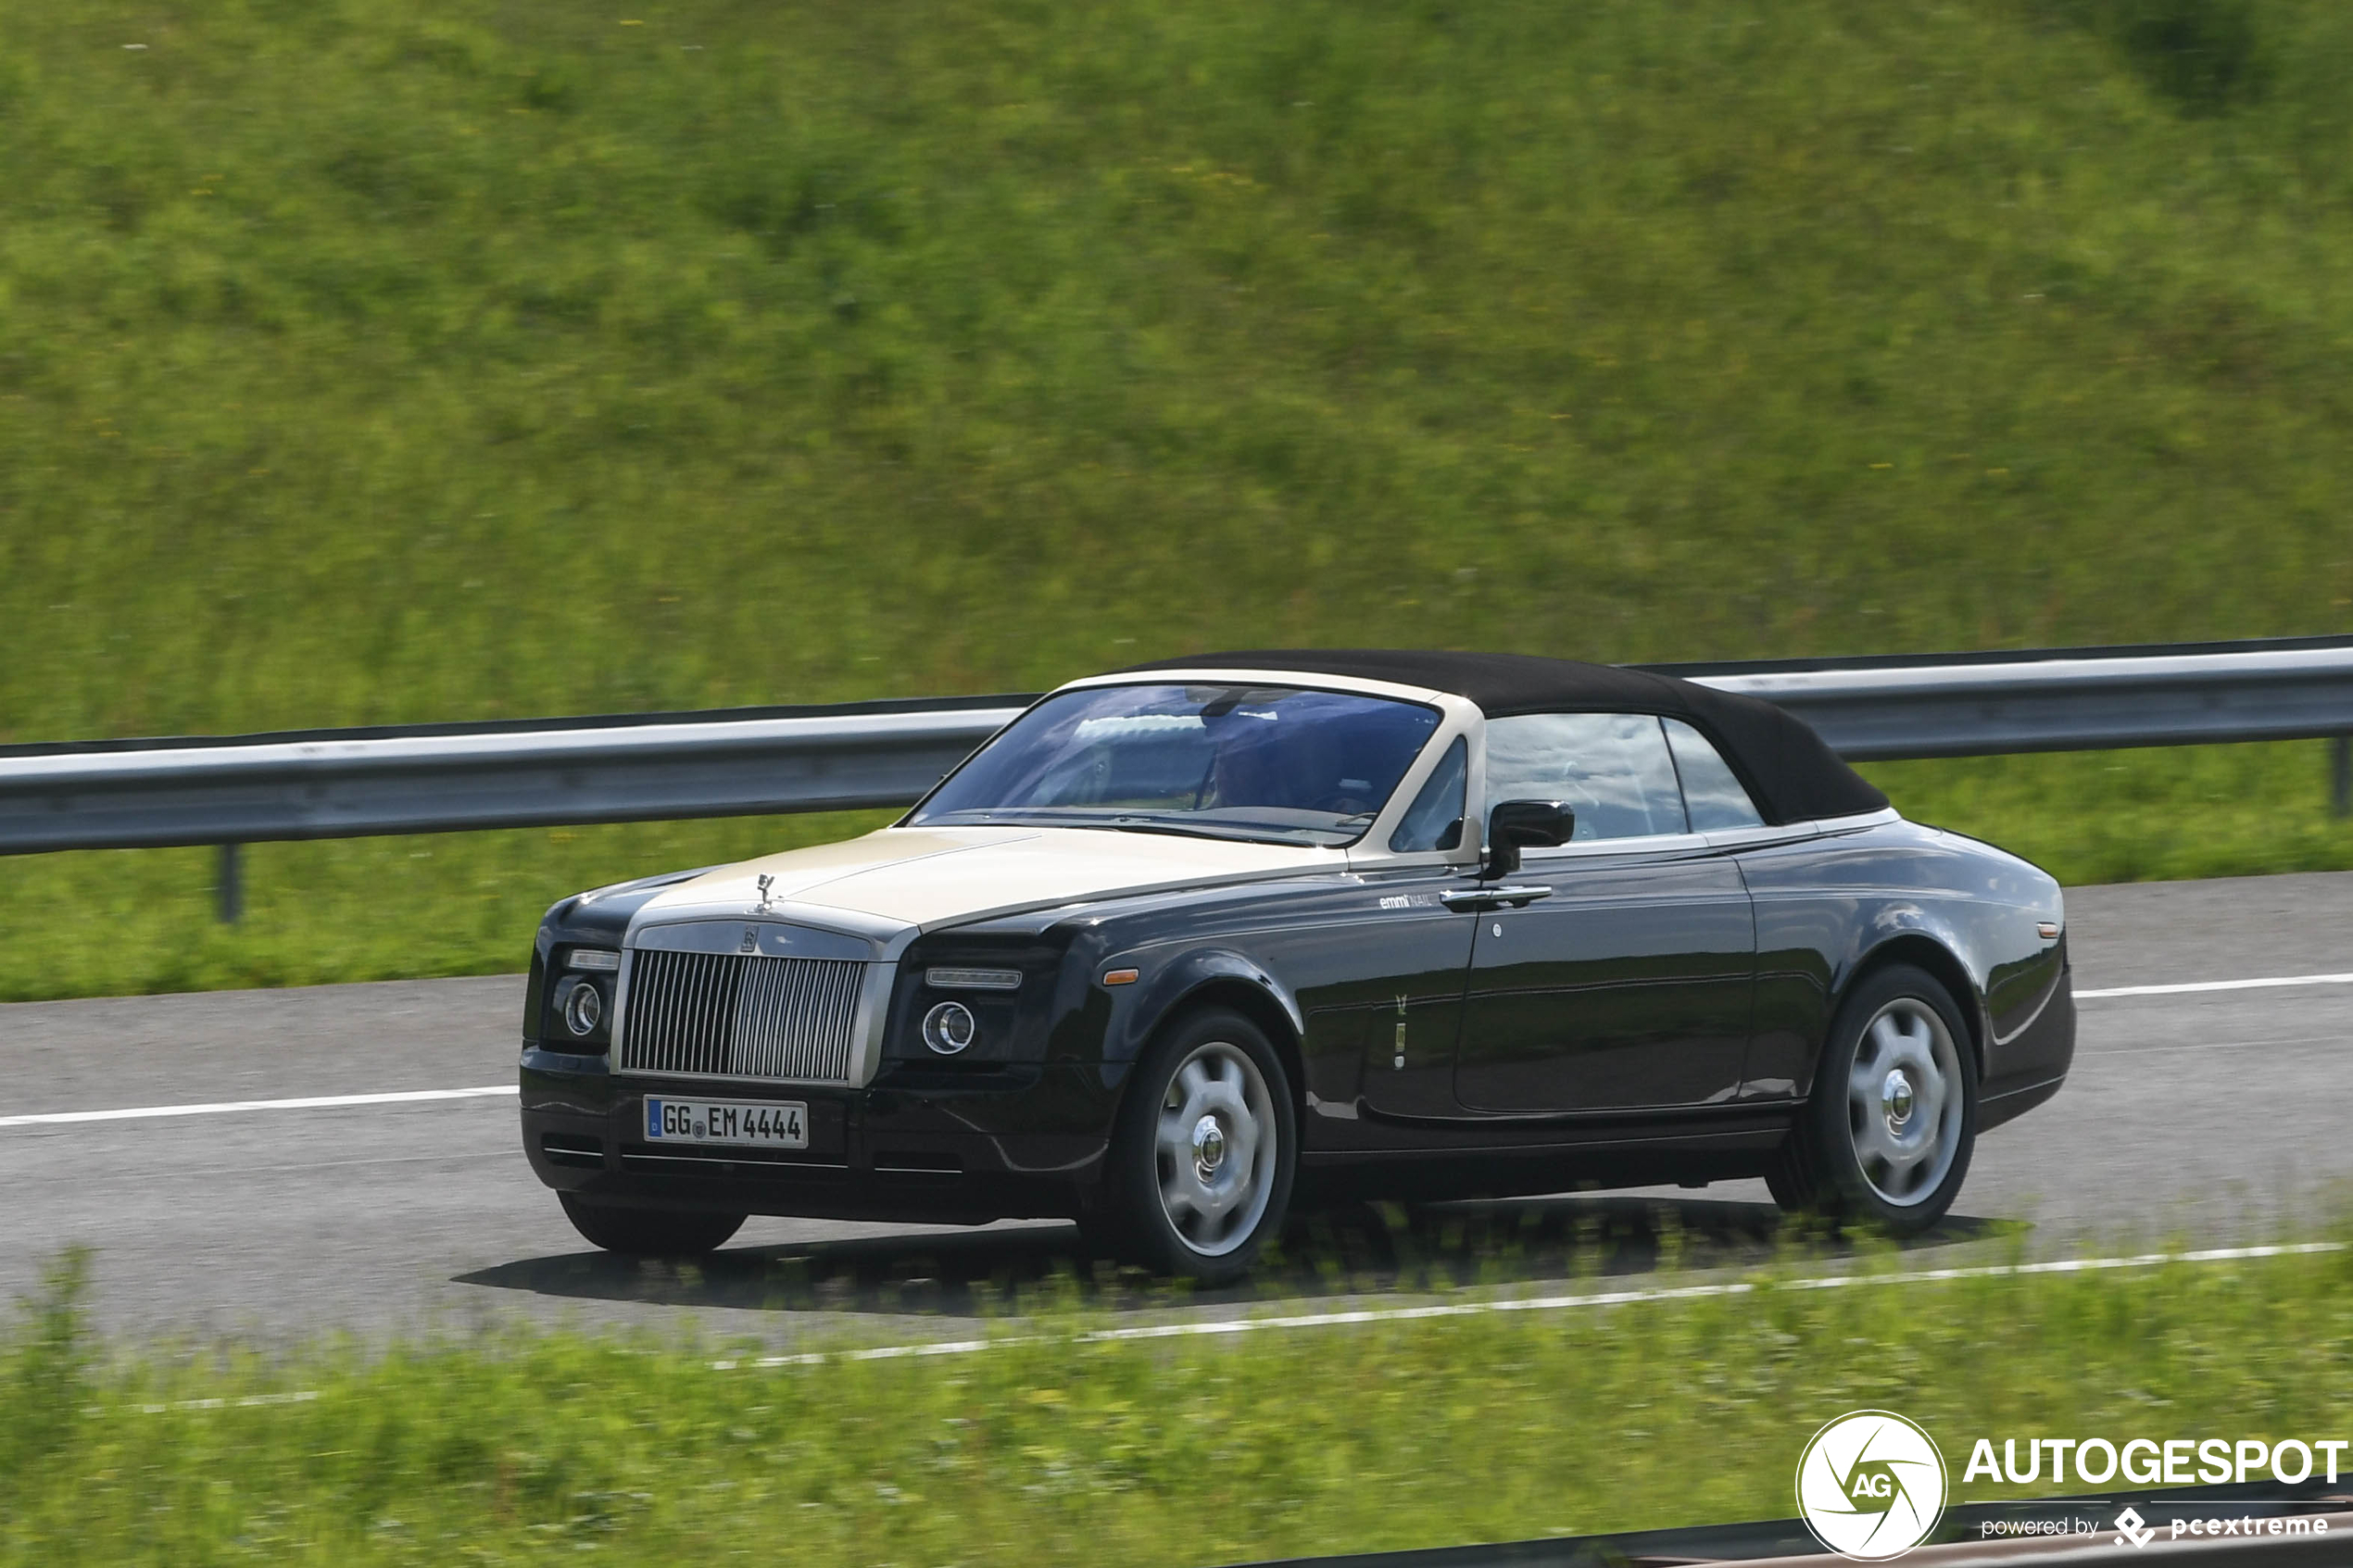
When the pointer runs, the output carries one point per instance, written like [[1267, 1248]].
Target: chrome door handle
[[1504, 896]]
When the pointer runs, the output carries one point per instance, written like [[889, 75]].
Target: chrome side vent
[[726, 1015]]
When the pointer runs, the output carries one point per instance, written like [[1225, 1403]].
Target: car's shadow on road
[[1360, 1249]]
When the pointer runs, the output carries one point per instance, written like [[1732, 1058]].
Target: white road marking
[[1539, 1304], [2218, 1045], [308, 1102], [2216, 986], [323, 1102], [1404, 1314]]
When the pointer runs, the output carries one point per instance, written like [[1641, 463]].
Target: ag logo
[[1870, 1486]]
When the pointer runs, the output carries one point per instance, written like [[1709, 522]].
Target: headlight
[[603, 959], [948, 1028], [583, 1008]]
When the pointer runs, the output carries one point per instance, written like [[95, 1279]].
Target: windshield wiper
[[1296, 838], [1141, 824], [1052, 816]]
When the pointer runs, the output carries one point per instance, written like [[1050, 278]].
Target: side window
[[1435, 819], [1611, 768], [1713, 796]]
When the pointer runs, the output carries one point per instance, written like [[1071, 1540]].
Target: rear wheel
[[1204, 1154], [649, 1233], [1888, 1133]]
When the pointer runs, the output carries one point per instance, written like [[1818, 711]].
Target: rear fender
[[1910, 935]]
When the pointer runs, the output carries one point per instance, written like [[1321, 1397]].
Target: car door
[[1628, 985], [1417, 947]]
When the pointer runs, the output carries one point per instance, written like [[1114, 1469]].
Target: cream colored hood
[[924, 877]]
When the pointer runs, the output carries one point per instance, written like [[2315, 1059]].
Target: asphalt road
[[2208, 1116]]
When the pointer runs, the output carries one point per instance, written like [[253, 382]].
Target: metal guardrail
[[2082, 700], [344, 784], [352, 783]]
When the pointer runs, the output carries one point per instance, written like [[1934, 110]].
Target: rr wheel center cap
[[1208, 1147], [1896, 1099]]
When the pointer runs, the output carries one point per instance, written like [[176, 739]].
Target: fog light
[[948, 1028], [584, 1010]]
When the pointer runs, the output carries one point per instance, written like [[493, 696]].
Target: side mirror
[[1524, 824]]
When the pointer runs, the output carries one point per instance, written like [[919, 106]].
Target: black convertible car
[[1186, 944]]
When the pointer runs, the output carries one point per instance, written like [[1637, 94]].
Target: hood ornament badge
[[767, 897]]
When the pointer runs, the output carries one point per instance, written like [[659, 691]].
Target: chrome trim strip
[[1859, 820], [1763, 837], [1605, 849], [1798, 832], [1727, 839], [641, 1157], [613, 1031], [874, 1021]]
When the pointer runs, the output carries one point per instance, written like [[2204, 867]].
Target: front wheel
[[1205, 1151], [649, 1233], [1888, 1133]]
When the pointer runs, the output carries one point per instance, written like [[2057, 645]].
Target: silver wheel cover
[[1904, 1102], [1215, 1146]]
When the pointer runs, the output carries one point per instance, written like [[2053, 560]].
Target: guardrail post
[[229, 884], [2341, 776]]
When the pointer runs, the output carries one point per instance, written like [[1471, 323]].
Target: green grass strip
[[1065, 1446]]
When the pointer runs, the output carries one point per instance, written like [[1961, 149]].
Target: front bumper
[[920, 1144]]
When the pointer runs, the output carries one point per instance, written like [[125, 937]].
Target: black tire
[[649, 1233], [1836, 1161], [1242, 1206]]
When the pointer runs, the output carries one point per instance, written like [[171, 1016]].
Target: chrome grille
[[726, 1015]]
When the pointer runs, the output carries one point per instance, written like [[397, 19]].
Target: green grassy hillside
[[367, 363]]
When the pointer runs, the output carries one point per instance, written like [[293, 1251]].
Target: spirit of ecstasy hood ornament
[[767, 899]]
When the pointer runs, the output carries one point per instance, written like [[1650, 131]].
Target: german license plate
[[760, 1124]]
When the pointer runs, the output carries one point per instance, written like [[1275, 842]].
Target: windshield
[[1224, 761]]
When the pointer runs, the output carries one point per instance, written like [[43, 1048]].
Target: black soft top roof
[[1791, 774]]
